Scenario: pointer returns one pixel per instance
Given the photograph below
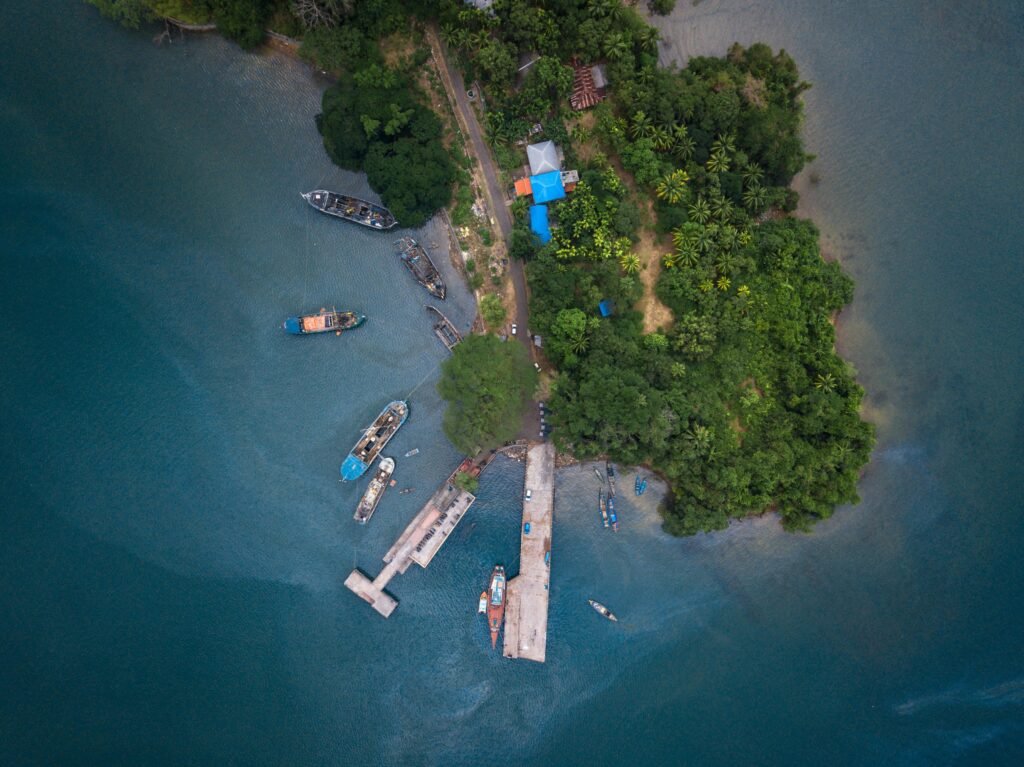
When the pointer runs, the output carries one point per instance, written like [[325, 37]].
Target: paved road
[[496, 201]]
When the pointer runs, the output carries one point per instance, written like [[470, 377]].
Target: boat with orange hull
[[496, 603]]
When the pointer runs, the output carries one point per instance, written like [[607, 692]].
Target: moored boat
[[416, 260], [324, 321], [600, 476], [496, 603], [611, 480], [603, 610], [603, 505], [482, 607], [373, 440], [411, 453], [350, 209], [379, 483], [640, 486], [611, 514], [445, 329]]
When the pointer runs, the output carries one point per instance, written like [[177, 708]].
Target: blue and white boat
[[640, 486], [374, 440], [611, 514]]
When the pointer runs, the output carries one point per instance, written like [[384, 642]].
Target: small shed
[[543, 157], [547, 187], [523, 187], [539, 223], [606, 308]]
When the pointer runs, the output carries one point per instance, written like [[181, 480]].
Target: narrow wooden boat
[[350, 208], [445, 329]]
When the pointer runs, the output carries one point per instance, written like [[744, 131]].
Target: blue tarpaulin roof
[[605, 307], [539, 222], [547, 187]]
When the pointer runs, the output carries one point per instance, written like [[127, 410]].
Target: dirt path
[[657, 316]]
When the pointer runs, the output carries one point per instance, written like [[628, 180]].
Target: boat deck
[[418, 543], [526, 610]]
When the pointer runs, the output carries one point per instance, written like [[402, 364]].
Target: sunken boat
[[444, 329], [374, 439], [351, 209], [379, 483], [324, 321], [416, 260]]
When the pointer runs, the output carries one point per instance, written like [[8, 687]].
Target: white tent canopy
[[543, 158]]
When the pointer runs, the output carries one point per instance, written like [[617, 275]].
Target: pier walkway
[[418, 543], [526, 609]]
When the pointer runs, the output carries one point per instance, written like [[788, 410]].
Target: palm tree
[[662, 139], [669, 260], [683, 146], [579, 343], [752, 174], [448, 34], [630, 263], [721, 206], [727, 238], [672, 187], [745, 238], [705, 240], [616, 46], [826, 382], [725, 262], [743, 291], [639, 124], [755, 197], [649, 38], [687, 255], [718, 162], [680, 237], [706, 286], [723, 283], [700, 438], [700, 211], [724, 143]]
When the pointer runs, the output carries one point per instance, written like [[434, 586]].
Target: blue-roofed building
[[605, 307], [539, 223], [547, 187]]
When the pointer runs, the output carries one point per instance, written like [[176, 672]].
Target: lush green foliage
[[486, 383], [493, 310], [466, 481], [130, 13], [373, 121]]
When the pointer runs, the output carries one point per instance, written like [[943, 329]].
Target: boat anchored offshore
[[416, 260], [496, 603], [444, 329], [351, 209], [603, 610], [482, 607], [374, 439], [640, 486], [379, 483], [603, 505], [324, 321]]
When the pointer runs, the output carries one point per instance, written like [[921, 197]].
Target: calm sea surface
[[174, 537]]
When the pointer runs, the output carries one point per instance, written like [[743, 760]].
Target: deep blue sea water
[[174, 537]]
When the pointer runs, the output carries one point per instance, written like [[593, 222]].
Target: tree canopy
[[486, 383]]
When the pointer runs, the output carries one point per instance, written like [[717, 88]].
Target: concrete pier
[[526, 608], [418, 543]]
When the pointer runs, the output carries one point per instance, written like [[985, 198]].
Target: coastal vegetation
[[486, 384], [736, 395]]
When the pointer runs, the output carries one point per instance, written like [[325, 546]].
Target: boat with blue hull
[[640, 486], [611, 514], [602, 504], [374, 439], [323, 321]]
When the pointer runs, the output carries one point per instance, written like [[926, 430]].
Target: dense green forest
[[740, 401], [486, 384]]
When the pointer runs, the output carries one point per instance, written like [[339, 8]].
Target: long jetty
[[526, 609], [418, 543]]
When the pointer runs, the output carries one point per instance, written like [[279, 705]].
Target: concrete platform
[[526, 609], [418, 543]]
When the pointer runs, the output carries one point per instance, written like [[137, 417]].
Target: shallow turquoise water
[[174, 535]]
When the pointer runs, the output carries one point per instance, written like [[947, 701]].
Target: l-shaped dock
[[419, 543], [526, 609]]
